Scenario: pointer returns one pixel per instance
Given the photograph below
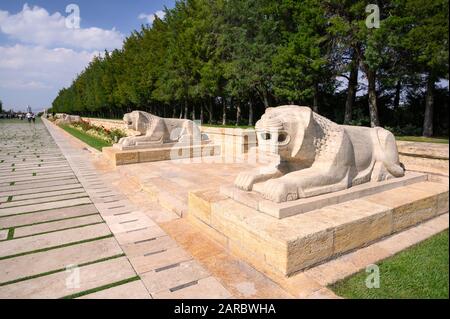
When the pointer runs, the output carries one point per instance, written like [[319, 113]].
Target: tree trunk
[[224, 112], [250, 113], [201, 113], [238, 113], [316, 98], [186, 109], [429, 108], [211, 113], [398, 89], [193, 112], [265, 99], [181, 111], [174, 112], [351, 92], [373, 108]]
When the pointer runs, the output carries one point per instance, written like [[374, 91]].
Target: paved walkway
[[62, 205], [58, 219]]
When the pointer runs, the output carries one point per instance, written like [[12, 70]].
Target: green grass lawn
[[419, 272], [88, 139], [441, 140]]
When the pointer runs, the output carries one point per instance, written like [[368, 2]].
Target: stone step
[[285, 246]]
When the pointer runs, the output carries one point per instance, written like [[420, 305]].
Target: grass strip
[[94, 142], [94, 290], [439, 140], [10, 234], [59, 270], [419, 272], [56, 247]]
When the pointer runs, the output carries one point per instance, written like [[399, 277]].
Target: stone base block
[[123, 157], [255, 200], [286, 246]]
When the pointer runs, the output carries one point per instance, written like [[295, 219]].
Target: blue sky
[[39, 55]]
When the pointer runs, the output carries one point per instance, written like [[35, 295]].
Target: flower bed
[[110, 136]]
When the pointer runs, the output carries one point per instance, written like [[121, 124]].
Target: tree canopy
[[225, 61]]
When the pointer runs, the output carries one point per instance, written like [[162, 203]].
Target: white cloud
[[34, 25], [34, 70], [151, 17]]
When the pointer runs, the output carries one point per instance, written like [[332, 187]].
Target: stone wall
[[432, 158], [234, 141]]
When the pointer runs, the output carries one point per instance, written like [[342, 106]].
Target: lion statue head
[[288, 131], [138, 121]]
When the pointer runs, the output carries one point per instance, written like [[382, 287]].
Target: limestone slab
[[55, 285], [49, 215], [132, 290], [43, 199], [28, 244], [136, 236], [3, 234], [44, 206], [37, 190], [286, 246], [160, 259], [173, 276], [148, 246], [124, 157], [47, 194], [282, 210], [208, 288], [19, 267], [53, 226]]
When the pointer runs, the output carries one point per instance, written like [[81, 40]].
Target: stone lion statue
[[66, 119], [154, 130], [318, 156]]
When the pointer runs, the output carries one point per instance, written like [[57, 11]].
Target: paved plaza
[[72, 226]]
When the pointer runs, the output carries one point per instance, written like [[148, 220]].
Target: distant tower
[[28, 109]]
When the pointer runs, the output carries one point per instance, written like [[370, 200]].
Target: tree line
[[225, 61]]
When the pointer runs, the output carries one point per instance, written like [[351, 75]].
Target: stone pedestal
[[289, 245], [142, 155]]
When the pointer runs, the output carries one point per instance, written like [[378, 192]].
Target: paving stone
[[43, 199], [139, 235], [35, 185], [160, 259], [49, 215], [173, 276], [44, 206], [76, 190], [38, 190], [3, 234], [28, 244], [19, 267], [132, 290], [208, 288], [53, 226], [128, 222], [141, 248], [61, 284]]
